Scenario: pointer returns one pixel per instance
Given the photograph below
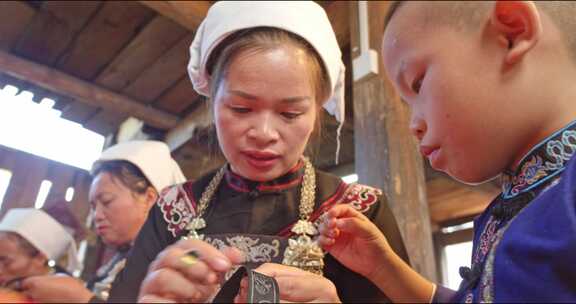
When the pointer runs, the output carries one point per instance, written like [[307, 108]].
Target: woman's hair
[[28, 248], [127, 173], [261, 39]]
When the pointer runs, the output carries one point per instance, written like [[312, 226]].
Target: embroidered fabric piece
[[254, 249], [177, 207]]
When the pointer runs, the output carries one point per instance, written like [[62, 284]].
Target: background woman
[[127, 180]]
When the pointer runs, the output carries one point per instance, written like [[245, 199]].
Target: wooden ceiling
[[119, 48]]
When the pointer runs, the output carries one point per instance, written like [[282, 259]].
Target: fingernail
[[221, 263]]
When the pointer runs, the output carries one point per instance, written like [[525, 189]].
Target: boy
[[491, 89]]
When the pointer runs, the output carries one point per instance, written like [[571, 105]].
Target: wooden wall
[[28, 172]]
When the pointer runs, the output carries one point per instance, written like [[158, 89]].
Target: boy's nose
[[418, 127]]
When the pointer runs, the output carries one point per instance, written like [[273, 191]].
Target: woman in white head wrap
[[128, 178], [268, 68], [29, 239]]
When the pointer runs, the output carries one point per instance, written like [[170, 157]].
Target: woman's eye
[[291, 115], [417, 84], [240, 109]]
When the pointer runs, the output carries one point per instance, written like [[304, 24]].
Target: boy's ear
[[519, 26]]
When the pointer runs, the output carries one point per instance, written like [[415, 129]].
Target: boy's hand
[[353, 240]]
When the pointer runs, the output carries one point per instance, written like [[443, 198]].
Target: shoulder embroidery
[[177, 208], [361, 197]]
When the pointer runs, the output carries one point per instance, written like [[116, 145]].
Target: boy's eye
[[417, 84], [291, 115]]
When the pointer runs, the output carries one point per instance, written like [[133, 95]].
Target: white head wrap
[[44, 233], [303, 18], [151, 157]]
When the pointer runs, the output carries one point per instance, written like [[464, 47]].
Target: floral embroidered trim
[[543, 162], [361, 197], [177, 207], [254, 250]]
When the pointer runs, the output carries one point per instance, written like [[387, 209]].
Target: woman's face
[[118, 212], [16, 262], [265, 111]]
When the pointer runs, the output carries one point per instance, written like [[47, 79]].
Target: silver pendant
[[196, 224], [302, 252]]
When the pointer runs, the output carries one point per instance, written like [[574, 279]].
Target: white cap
[[303, 18], [151, 157], [44, 233]]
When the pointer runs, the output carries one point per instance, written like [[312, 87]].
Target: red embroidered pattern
[[177, 208], [361, 197]]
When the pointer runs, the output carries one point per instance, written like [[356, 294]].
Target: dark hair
[[126, 172]]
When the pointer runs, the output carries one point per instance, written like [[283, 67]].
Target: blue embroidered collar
[[545, 161]]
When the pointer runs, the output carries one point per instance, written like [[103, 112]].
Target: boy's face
[[452, 81]]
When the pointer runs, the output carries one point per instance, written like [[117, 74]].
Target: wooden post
[[386, 153]]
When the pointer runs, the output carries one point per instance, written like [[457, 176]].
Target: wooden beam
[[450, 200], [386, 153], [83, 91], [184, 131], [338, 13], [189, 14]]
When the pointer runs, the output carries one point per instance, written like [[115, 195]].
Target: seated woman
[[127, 180], [29, 239], [268, 69]]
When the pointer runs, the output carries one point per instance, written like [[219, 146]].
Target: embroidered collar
[[291, 179], [545, 161]]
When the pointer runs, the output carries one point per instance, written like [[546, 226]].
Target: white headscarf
[[151, 157], [44, 233], [303, 18]]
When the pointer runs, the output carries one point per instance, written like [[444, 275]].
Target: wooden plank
[[450, 200], [14, 17], [82, 91], [78, 112], [79, 204], [338, 13], [161, 75], [62, 177], [105, 122], [28, 171], [189, 14], [387, 156], [106, 34], [53, 29], [178, 98], [154, 40]]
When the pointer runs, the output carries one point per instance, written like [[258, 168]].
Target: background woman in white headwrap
[[268, 68], [127, 180], [29, 239]]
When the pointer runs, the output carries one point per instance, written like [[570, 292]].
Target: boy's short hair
[[469, 14]]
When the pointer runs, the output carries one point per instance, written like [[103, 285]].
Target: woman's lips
[[261, 159]]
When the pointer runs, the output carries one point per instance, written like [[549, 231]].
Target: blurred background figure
[[31, 241], [127, 180]]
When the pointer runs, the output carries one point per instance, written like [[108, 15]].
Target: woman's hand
[[295, 285], [188, 271], [353, 240], [56, 288]]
